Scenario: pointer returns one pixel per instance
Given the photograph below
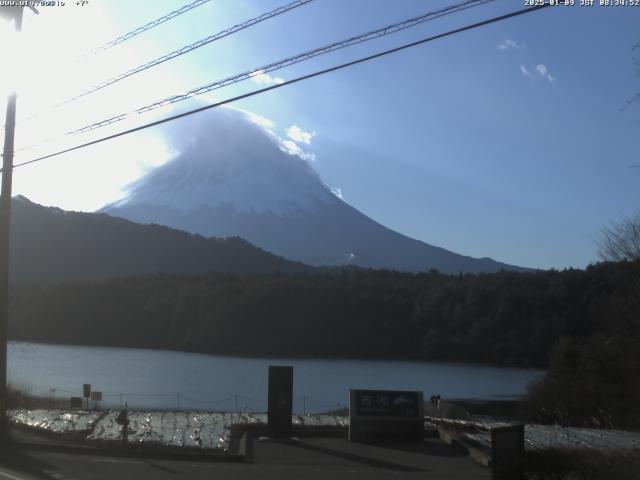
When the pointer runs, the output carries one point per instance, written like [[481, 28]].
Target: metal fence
[[302, 404]]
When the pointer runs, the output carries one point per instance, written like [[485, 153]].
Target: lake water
[[164, 379]]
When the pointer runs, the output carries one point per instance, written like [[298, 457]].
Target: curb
[[451, 437], [131, 452]]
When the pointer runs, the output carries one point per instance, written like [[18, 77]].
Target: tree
[[621, 241], [636, 61]]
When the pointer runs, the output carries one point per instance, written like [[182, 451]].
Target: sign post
[[95, 398], [386, 415], [86, 392], [123, 419]]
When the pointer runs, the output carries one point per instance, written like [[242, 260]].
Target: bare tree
[[636, 61], [621, 241]]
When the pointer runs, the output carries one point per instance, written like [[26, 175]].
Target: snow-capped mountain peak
[[231, 177], [230, 161]]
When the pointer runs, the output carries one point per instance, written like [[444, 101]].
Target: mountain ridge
[[51, 245], [230, 177]]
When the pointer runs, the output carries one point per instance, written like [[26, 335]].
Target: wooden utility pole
[[5, 220]]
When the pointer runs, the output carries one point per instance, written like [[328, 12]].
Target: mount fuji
[[230, 176]]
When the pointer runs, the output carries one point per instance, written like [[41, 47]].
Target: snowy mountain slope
[[231, 177]]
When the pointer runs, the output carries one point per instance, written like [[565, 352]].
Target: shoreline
[[281, 357]]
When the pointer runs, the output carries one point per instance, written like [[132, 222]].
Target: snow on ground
[[210, 430], [60, 421], [541, 437], [205, 430], [481, 422], [319, 420], [178, 429]]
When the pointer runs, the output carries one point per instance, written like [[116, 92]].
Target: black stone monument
[[280, 401]]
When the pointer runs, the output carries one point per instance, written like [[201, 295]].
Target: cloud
[[543, 71], [292, 148], [525, 72], [262, 78], [336, 191], [256, 118], [510, 44], [296, 134], [260, 120]]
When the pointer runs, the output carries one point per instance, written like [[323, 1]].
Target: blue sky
[[510, 141]]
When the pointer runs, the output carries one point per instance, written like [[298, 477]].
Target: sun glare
[[12, 51], [43, 64]]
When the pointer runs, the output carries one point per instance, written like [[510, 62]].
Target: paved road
[[309, 459]]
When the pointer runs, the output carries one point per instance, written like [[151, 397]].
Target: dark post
[[86, 392], [123, 419], [5, 218], [507, 452], [280, 401]]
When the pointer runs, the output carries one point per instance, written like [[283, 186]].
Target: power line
[[289, 82], [144, 28], [380, 32], [183, 50]]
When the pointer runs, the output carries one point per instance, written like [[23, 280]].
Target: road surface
[[309, 459]]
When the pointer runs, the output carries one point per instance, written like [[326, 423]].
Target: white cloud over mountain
[[296, 134], [262, 78]]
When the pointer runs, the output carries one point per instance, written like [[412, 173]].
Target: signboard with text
[[386, 415], [387, 403]]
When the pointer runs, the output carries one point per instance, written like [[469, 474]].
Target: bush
[[582, 465]]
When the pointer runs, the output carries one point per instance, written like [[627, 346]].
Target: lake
[[166, 379]]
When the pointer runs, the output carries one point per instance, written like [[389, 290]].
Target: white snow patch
[[543, 437], [205, 430], [60, 421]]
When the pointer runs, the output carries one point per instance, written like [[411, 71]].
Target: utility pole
[[5, 219]]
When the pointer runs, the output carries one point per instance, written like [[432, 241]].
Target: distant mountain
[[231, 177], [49, 245]]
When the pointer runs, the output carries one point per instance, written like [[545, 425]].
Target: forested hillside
[[49, 245], [506, 317]]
